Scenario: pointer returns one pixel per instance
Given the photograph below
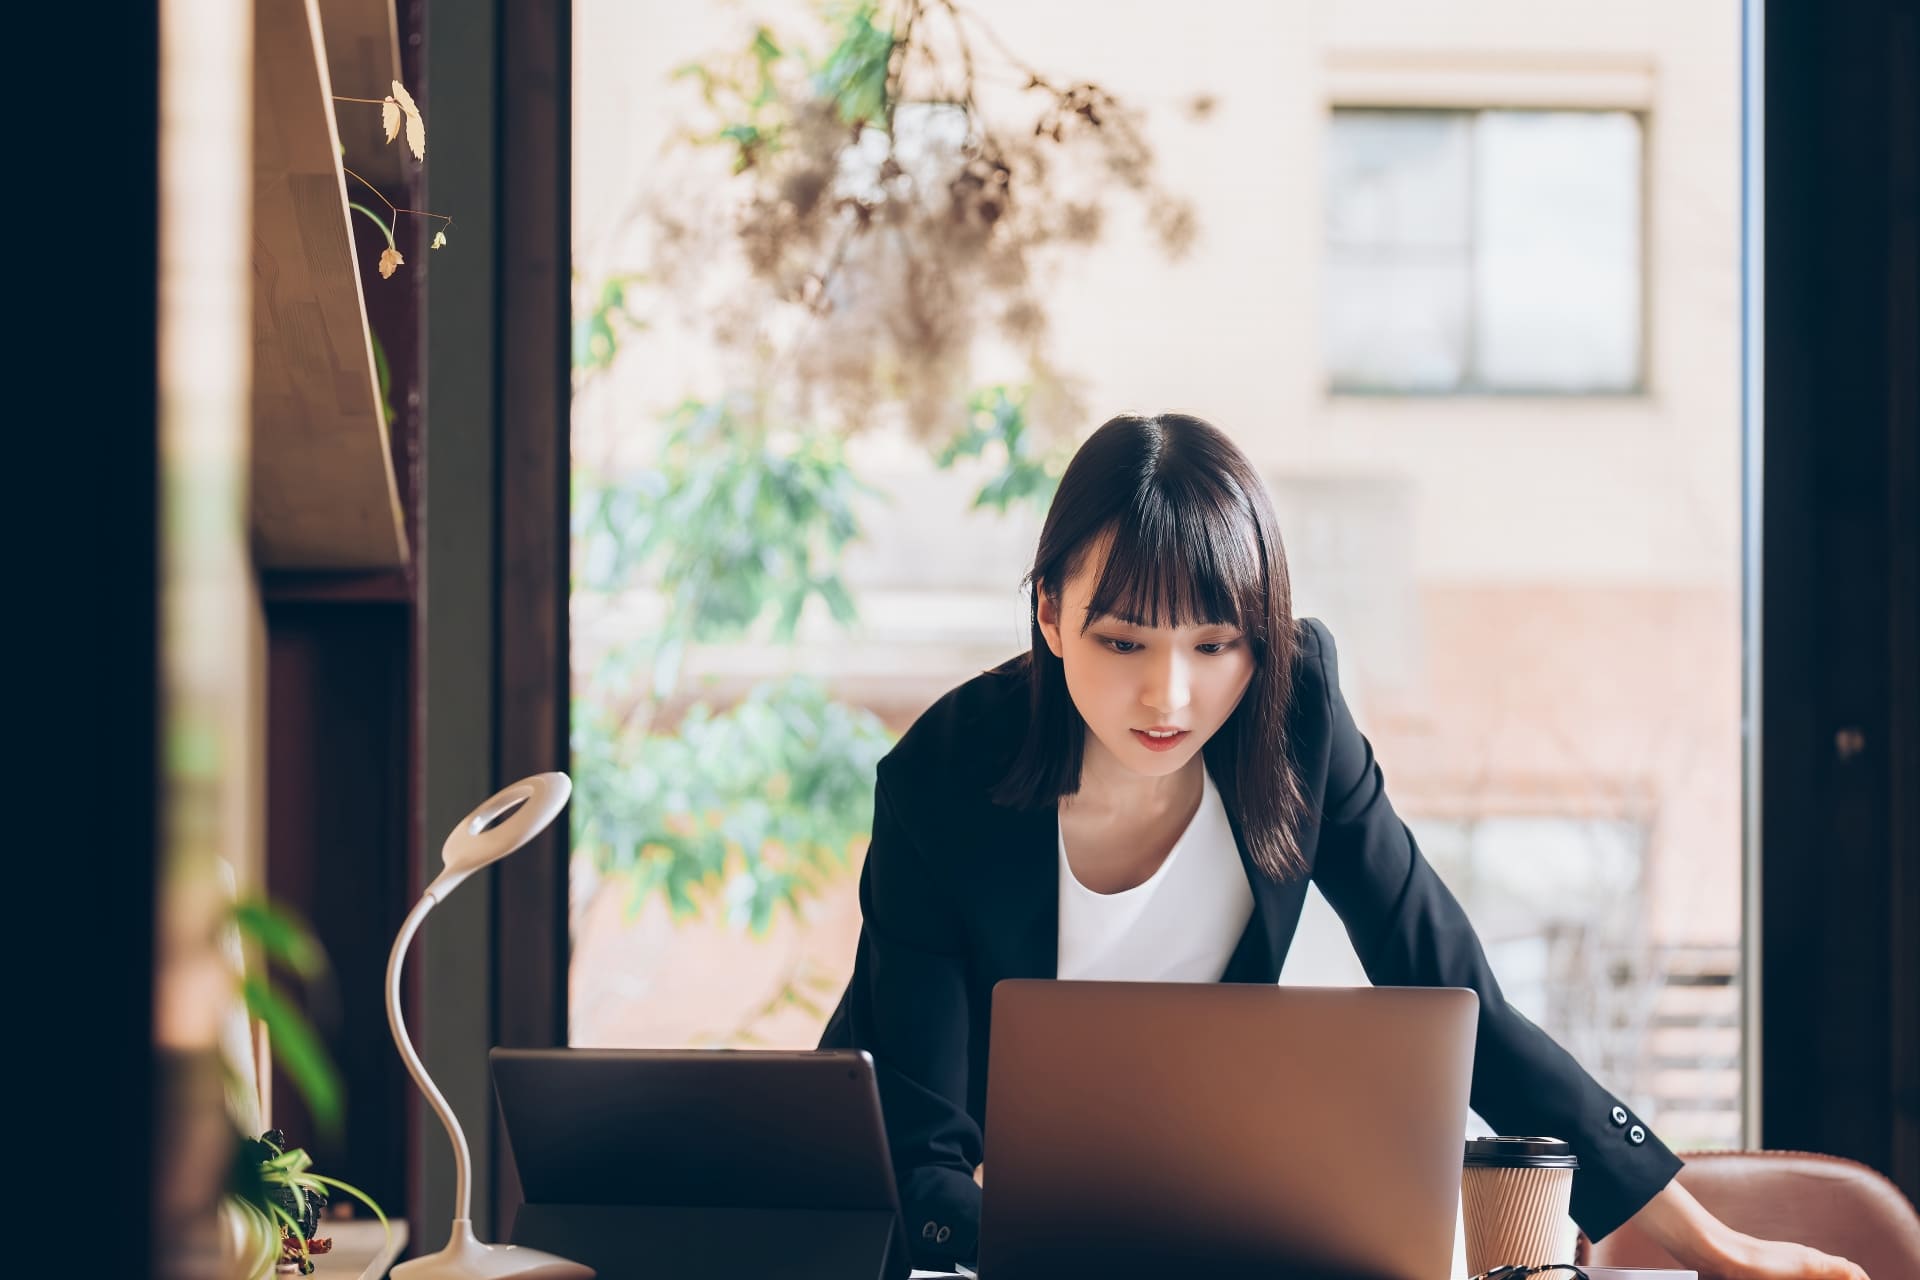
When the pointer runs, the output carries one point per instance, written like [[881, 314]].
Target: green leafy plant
[[747, 94], [284, 940], [750, 95], [755, 805], [385, 375], [279, 1198], [597, 332], [271, 1185], [755, 808], [856, 72], [996, 429], [734, 524]]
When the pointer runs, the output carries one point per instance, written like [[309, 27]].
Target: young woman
[[1145, 795]]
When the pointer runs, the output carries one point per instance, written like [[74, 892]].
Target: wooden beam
[[324, 495]]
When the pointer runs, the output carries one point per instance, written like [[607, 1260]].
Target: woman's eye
[[1120, 646], [1216, 646]]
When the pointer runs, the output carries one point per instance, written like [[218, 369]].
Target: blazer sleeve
[[1409, 930], [908, 1008]]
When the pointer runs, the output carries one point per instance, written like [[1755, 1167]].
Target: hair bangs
[[1179, 562]]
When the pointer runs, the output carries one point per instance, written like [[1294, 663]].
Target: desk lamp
[[523, 811]]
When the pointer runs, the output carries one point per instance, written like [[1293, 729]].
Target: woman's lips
[[1152, 743]]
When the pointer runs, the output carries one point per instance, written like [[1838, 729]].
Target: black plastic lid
[[1519, 1153]]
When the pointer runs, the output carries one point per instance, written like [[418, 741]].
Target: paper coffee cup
[[1514, 1194]]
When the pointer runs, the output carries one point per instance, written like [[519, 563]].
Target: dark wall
[[1840, 640], [337, 796], [82, 716]]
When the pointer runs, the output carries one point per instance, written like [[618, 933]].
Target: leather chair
[[1837, 1206]]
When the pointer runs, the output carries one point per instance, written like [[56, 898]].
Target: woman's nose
[[1168, 689]]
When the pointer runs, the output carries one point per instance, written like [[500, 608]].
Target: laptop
[[1193, 1129], [690, 1164]]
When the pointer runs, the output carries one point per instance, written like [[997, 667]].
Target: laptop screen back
[[1211, 1128]]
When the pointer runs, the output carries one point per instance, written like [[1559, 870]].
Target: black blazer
[[958, 893]]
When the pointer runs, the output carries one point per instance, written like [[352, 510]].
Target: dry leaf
[[416, 127], [439, 240], [390, 259], [390, 118]]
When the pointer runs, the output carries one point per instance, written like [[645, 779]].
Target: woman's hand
[[1682, 1226], [1748, 1258]]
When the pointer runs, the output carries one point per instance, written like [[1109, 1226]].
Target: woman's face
[[1128, 680]]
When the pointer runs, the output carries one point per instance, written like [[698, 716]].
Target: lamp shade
[[529, 805]]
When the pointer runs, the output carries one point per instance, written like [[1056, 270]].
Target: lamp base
[[465, 1258]]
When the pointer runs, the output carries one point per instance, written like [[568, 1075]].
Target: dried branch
[[969, 213]]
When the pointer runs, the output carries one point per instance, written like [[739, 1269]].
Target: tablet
[[702, 1162]]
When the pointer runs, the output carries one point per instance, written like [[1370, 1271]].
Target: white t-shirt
[[1179, 925]]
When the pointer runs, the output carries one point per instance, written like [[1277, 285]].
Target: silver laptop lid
[[1191, 1129]]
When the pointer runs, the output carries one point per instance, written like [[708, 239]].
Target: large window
[[812, 454], [1483, 251]]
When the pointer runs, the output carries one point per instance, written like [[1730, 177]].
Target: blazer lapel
[[1024, 907], [1276, 914]]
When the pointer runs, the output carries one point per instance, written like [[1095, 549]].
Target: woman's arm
[[1682, 1226], [907, 1006], [1409, 930]]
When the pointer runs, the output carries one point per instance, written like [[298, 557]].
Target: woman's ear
[[1047, 612]]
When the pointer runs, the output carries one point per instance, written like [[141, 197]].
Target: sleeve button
[[941, 1238], [926, 1232], [1636, 1135], [1619, 1117]]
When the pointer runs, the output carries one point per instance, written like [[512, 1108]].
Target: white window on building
[[1483, 251]]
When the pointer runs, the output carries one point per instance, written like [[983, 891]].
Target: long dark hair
[[1193, 537]]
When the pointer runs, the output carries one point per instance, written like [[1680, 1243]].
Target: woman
[[1145, 796]]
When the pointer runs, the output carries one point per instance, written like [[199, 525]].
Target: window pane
[[1398, 180], [1395, 299], [1395, 324], [1557, 250]]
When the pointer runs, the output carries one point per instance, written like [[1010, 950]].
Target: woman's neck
[[1109, 791]]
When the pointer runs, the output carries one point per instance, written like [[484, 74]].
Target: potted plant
[[279, 1200], [273, 1198]]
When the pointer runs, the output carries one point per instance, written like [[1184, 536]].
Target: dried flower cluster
[[893, 222]]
